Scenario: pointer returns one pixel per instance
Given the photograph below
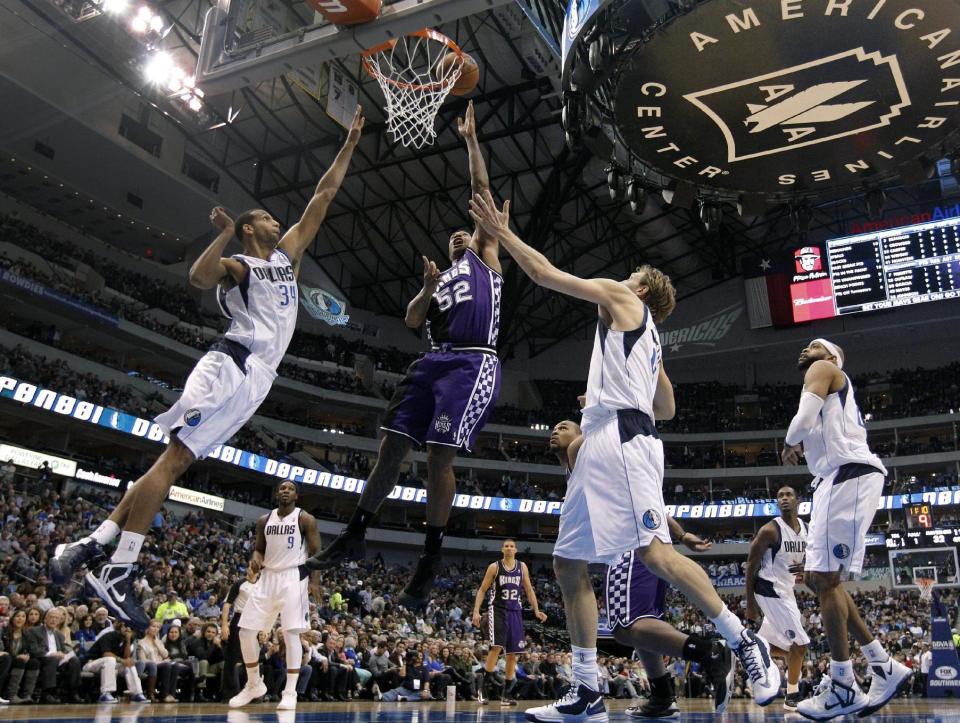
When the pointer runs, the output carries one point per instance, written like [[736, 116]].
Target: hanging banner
[[323, 305]]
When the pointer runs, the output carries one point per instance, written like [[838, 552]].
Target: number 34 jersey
[[505, 592], [263, 307], [465, 309]]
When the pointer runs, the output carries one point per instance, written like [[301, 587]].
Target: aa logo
[[803, 105]]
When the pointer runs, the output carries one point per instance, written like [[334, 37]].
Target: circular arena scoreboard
[[877, 270]]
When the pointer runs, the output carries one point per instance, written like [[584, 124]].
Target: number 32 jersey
[[505, 591], [465, 309]]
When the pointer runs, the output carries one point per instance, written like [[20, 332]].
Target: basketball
[[469, 75]]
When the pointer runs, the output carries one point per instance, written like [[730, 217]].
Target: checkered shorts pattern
[[633, 592], [618, 590], [480, 398], [495, 322]]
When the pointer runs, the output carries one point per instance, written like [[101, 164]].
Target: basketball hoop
[[415, 78], [926, 588]]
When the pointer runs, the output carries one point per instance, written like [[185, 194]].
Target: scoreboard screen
[[919, 516], [876, 270], [896, 267], [946, 537]]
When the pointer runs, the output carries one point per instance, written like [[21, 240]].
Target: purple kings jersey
[[465, 309], [505, 592]]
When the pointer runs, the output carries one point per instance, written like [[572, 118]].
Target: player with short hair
[[848, 483], [614, 500], [285, 536], [775, 559], [257, 291], [635, 607], [447, 394], [503, 622]]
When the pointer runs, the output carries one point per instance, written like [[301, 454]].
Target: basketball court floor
[[697, 711]]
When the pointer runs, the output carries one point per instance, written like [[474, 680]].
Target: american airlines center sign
[[792, 96]]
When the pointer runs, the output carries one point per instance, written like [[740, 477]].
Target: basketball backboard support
[[936, 563], [221, 69]]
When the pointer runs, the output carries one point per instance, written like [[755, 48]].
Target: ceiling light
[[138, 25], [114, 7], [158, 68], [195, 104], [156, 23]]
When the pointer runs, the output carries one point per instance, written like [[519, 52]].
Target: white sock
[[729, 626], [291, 686], [874, 652], [842, 672], [793, 688], [585, 667], [105, 534], [128, 549]]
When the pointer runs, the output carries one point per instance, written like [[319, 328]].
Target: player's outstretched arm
[[488, 247], [531, 595], [482, 590], [211, 268], [299, 236], [604, 292], [420, 304], [766, 538]]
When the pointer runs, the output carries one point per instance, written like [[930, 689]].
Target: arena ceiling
[[275, 140]]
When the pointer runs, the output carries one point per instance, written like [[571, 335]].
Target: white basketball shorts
[[219, 397], [782, 622], [278, 592], [844, 503], [614, 500]]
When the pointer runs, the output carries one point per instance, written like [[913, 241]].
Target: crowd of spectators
[[361, 644]]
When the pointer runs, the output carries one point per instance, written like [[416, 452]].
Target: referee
[[230, 634]]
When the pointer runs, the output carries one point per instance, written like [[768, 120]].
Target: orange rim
[[428, 33]]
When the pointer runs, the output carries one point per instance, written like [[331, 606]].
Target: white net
[[415, 79], [926, 588]]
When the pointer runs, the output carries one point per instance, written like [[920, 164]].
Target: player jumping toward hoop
[[257, 291], [635, 608], [848, 484], [775, 559], [503, 623], [447, 394], [614, 500]]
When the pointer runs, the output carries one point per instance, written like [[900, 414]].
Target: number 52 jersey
[[449, 392]]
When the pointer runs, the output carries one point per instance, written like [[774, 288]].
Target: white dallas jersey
[[624, 368], [262, 308], [777, 561], [286, 547], [839, 436]]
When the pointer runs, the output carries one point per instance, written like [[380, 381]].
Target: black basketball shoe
[[68, 558], [662, 702], [346, 546], [417, 592]]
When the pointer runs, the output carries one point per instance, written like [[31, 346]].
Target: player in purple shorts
[[503, 622], [635, 606], [447, 394]]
